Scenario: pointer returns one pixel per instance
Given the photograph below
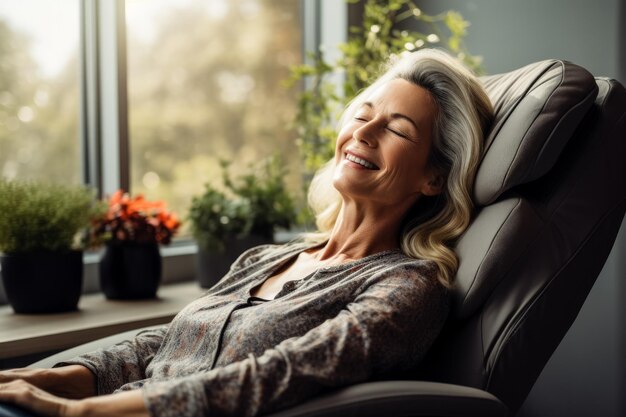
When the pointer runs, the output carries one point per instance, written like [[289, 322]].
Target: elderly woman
[[363, 297]]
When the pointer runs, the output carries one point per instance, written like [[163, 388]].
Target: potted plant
[[41, 261], [245, 213], [132, 229]]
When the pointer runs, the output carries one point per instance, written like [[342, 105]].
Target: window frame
[[104, 111]]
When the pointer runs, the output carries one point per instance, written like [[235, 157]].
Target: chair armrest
[[401, 399], [67, 354], [370, 399]]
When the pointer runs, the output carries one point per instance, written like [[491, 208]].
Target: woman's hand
[[74, 381], [28, 396]]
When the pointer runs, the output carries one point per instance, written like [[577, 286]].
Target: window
[[39, 95], [204, 84], [197, 80]]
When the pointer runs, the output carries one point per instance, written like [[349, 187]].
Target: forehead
[[403, 97]]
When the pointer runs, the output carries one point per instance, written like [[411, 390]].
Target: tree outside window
[[205, 84], [39, 94]]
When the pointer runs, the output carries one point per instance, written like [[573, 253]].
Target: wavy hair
[[464, 113]]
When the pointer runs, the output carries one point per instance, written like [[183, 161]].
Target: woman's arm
[[56, 392], [68, 390], [122, 363], [30, 397], [388, 327]]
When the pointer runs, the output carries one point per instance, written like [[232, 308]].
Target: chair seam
[[519, 202], [592, 93], [523, 315], [506, 175], [540, 217], [519, 99], [550, 215]]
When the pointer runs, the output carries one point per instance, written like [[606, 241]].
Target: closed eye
[[398, 133]]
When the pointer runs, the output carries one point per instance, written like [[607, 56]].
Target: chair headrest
[[537, 108]]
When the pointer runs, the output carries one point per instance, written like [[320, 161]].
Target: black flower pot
[[212, 265], [43, 281], [130, 271]]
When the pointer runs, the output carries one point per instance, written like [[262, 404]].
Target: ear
[[434, 186]]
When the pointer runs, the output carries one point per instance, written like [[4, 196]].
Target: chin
[[348, 188]]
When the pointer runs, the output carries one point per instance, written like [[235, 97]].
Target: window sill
[[97, 317]]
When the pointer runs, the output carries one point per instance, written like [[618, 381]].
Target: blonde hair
[[463, 115]]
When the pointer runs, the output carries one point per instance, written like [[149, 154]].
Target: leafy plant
[[39, 216], [214, 217], [255, 203], [134, 220], [379, 38]]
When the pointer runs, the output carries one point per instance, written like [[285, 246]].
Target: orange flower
[[135, 219]]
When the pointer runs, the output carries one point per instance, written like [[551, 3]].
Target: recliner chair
[[551, 195]]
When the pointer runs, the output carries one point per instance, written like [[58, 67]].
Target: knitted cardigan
[[231, 354]]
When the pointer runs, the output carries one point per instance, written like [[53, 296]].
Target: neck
[[362, 230]]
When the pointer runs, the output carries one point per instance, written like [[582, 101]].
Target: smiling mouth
[[362, 162]]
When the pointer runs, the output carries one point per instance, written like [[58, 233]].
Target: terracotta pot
[[130, 271], [43, 281]]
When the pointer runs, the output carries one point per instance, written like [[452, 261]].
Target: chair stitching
[[495, 236], [523, 315], [506, 175], [615, 126], [543, 147], [505, 118]]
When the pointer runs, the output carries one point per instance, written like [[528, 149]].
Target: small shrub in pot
[[41, 243]]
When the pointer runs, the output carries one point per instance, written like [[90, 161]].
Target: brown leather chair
[[551, 192]]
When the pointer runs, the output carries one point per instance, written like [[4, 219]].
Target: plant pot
[[130, 271], [212, 265], [43, 281]]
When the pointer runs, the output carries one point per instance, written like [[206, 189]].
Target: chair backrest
[[551, 192]]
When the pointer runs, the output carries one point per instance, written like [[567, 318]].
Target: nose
[[366, 134]]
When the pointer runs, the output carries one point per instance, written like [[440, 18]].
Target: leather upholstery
[[485, 250], [401, 398], [537, 109], [529, 260]]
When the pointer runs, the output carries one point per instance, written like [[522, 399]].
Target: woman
[[364, 297]]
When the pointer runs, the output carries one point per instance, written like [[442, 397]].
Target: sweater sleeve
[[388, 327], [121, 363]]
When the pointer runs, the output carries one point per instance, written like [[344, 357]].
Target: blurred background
[[204, 83]]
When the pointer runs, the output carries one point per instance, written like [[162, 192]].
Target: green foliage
[[368, 49], [256, 202], [37, 216]]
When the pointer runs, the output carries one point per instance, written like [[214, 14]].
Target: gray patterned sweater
[[231, 354]]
